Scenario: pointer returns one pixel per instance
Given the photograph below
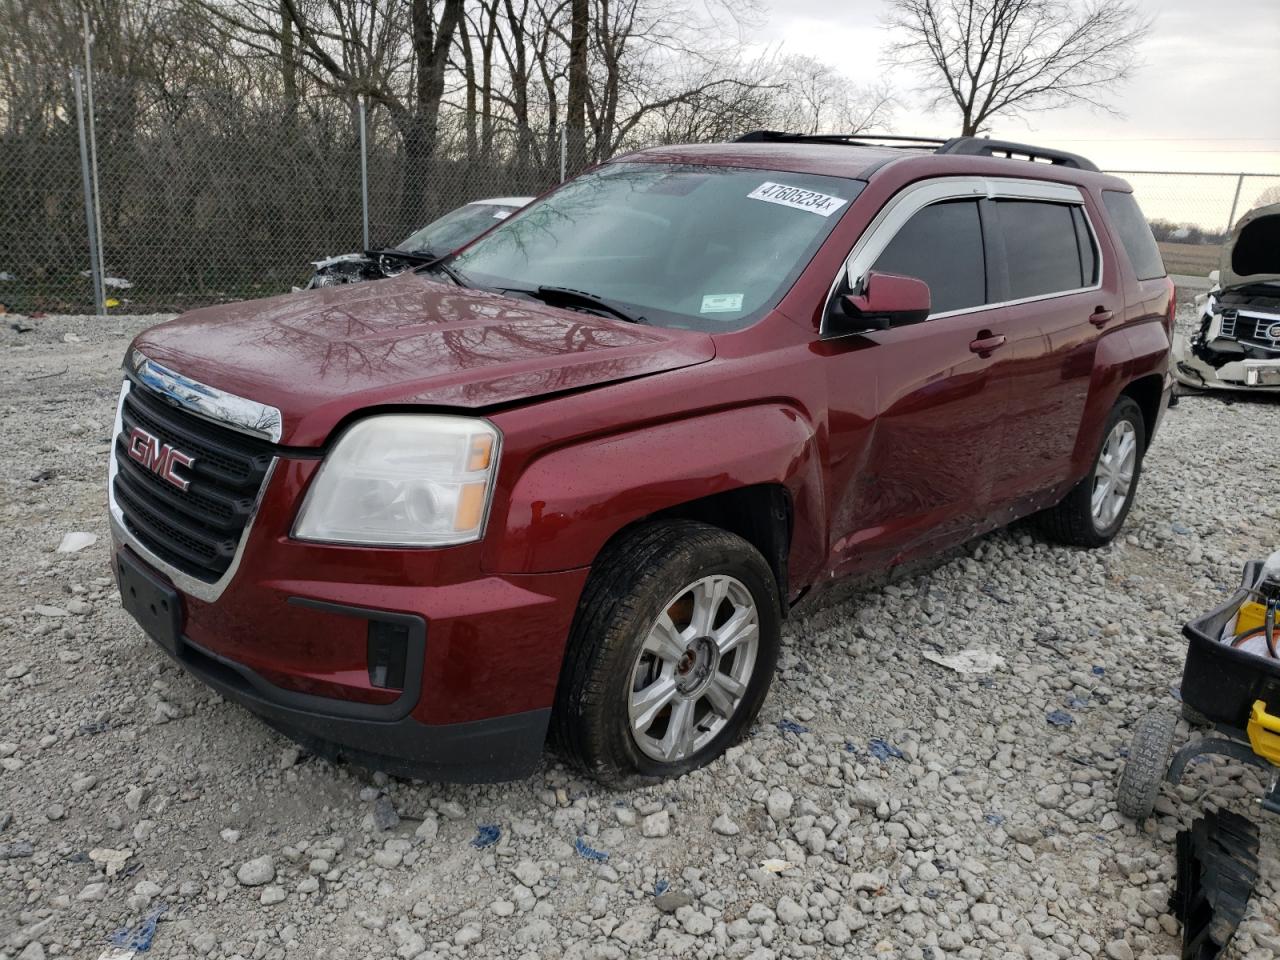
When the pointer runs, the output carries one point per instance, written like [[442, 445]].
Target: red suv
[[569, 480]]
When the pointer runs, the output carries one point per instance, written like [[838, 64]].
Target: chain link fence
[[205, 196]]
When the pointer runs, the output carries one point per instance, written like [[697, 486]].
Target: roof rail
[[982, 147], [853, 139]]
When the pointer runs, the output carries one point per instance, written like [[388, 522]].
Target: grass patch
[[1190, 259]]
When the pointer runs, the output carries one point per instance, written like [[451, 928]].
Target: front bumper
[[287, 636], [478, 751], [1261, 376]]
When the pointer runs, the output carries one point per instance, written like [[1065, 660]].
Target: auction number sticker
[[823, 204]]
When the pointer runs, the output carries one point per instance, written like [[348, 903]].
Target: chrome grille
[[1257, 330], [197, 530]]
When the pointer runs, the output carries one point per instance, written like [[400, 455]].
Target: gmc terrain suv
[[569, 480]]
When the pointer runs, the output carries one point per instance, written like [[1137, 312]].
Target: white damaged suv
[[1235, 344]]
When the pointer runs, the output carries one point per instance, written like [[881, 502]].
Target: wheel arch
[[754, 471], [762, 514], [1147, 392]]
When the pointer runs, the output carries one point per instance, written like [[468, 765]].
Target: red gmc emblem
[[160, 458]]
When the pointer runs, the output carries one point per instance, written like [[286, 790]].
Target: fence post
[[93, 150], [1231, 220], [564, 153], [98, 299], [364, 176]]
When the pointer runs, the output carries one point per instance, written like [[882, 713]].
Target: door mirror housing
[[887, 300]]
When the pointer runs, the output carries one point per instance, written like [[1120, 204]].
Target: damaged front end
[[1235, 344], [358, 267]]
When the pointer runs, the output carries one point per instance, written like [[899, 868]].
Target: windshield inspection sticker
[[822, 204], [721, 302]]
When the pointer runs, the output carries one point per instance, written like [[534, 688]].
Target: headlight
[[403, 480]]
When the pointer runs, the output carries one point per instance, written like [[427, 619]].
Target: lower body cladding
[[451, 682]]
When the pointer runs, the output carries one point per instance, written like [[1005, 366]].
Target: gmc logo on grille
[[160, 458]]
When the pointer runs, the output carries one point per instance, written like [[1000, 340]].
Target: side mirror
[[1213, 278], [887, 300]]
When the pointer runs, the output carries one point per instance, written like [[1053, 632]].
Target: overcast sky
[[1207, 96]]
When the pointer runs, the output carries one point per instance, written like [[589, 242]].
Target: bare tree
[[1011, 57], [812, 97], [576, 127]]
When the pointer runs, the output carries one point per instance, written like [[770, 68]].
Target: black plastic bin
[[1219, 681]]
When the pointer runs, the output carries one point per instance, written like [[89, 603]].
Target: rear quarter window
[[1135, 234]]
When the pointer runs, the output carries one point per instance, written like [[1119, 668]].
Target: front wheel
[[671, 653], [1094, 511]]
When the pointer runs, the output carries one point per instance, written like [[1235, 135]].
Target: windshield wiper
[[570, 297], [418, 256], [452, 273]]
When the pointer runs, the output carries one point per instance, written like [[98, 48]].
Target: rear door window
[[1135, 234], [941, 245], [1042, 248]]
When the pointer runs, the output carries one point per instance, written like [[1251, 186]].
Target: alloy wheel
[[692, 673], [1113, 476]]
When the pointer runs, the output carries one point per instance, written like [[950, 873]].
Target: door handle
[[986, 343], [1101, 316]]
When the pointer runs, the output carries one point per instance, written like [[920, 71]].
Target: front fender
[[568, 503]]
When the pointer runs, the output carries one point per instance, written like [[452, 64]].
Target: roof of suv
[[859, 161]]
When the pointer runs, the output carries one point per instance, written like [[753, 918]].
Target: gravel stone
[[384, 814], [669, 901], [790, 912], [724, 826], [779, 805], [528, 873], [696, 924], [256, 872], [656, 824]]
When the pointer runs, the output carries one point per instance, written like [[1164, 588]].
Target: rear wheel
[[1095, 509], [671, 653]]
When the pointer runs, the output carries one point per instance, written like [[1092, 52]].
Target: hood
[[319, 355], [1252, 253]]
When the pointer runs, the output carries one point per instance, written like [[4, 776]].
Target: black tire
[[633, 580], [1148, 762], [1194, 717], [1071, 521], [1217, 870]]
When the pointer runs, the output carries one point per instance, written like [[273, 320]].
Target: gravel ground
[[994, 834]]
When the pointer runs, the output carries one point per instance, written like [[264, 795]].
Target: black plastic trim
[[896, 140], [983, 147]]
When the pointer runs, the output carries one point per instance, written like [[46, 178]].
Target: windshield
[[708, 248], [456, 228]]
